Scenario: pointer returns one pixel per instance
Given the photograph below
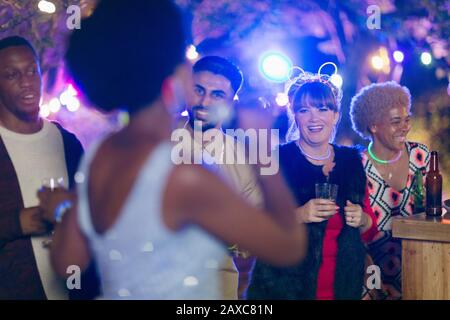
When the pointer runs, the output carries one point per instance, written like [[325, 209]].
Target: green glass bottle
[[418, 193]]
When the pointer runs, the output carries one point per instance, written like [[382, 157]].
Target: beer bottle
[[433, 185]]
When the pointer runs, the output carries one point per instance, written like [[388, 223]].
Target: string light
[[54, 105], [282, 99], [44, 111], [337, 80], [191, 53], [73, 104], [380, 61], [68, 98], [47, 6], [426, 58], [377, 62], [398, 56]]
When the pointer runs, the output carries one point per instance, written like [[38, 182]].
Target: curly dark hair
[[125, 50]]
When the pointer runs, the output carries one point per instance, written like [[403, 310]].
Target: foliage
[[243, 29]]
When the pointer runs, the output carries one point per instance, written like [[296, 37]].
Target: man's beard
[[205, 124]]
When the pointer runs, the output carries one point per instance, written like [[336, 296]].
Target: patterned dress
[[386, 203]]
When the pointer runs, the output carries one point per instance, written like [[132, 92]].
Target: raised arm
[[194, 195]]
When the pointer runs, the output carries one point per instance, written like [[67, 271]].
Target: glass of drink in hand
[[52, 183], [327, 191]]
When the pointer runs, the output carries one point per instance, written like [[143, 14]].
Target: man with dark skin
[[32, 150], [20, 91]]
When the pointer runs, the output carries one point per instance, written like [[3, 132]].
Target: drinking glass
[[327, 191], [52, 183]]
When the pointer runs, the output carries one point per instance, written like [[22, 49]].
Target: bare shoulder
[[190, 184], [189, 190], [189, 176]]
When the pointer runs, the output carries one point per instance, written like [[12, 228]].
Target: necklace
[[372, 155], [312, 157]]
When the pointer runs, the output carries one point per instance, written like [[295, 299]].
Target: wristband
[[61, 209]]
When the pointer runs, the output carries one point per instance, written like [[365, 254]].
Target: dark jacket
[[300, 282], [19, 276]]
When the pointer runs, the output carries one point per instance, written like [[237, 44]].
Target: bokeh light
[[44, 111], [191, 53], [282, 99], [275, 66], [73, 104], [398, 56], [46, 6], [54, 105], [337, 80], [426, 58]]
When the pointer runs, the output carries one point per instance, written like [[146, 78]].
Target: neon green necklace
[[372, 155]]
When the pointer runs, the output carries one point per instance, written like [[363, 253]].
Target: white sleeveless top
[[139, 257]]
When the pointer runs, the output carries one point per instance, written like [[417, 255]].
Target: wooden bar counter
[[425, 256]]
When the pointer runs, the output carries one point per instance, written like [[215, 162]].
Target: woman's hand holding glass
[[316, 210]]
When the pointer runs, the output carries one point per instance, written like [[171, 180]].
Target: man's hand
[[49, 200], [31, 221]]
